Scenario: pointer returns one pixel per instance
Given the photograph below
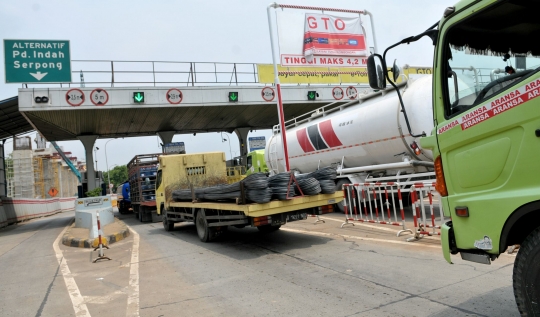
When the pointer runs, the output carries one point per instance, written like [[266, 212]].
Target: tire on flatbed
[[205, 233], [526, 275]]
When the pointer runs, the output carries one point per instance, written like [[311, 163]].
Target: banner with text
[[328, 40], [330, 35], [324, 75]]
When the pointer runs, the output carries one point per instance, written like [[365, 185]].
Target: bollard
[[100, 246]]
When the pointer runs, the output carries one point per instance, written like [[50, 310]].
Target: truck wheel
[[205, 233], [526, 275], [268, 228], [168, 225]]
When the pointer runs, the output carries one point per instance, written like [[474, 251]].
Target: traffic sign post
[[174, 96], [37, 61], [268, 93], [337, 93]]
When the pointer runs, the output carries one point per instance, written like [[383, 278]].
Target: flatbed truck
[[213, 218]]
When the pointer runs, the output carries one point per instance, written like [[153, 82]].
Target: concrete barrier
[[85, 213], [15, 210]]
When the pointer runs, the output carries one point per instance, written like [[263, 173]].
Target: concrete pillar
[[166, 136], [242, 134], [88, 142]]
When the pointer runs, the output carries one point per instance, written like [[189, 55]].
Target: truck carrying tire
[[213, 212]]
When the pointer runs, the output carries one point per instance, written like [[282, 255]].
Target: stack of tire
[[255, 185], [325, 177], [279, 186]]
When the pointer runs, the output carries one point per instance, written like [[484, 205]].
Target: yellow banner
[[322, 75]]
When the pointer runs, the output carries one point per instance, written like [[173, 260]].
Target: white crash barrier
[[13, 210]]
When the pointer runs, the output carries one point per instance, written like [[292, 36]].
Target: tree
[[118, 174]]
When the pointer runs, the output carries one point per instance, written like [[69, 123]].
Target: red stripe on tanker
[[303, 141], [328, 134], [349, 134]]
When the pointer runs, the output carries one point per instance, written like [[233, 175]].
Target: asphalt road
[[305, 269]]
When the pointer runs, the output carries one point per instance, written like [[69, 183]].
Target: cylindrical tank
[[370, 133]]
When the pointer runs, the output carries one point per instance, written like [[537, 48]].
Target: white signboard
[[337, 45], [257, 143]]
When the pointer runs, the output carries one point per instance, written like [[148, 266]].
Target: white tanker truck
[[368, 139]]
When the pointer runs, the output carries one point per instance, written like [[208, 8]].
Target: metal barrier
[[378, 203], [382, 203], [419, 192]]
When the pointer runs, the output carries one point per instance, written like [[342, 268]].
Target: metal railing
[[158, 73]]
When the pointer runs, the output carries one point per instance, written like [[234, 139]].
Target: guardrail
[[157, 73]]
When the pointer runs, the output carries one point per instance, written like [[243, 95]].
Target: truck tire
[[268, 228], [526, 276], [168, 225], [205, 233]]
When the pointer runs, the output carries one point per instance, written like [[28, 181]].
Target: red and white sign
[[351, 92], [337, 93], [99, 97], [268, 93], [174, 96], [75, 97], [495, 107], [335, 36], [338, 61], [291, 30]]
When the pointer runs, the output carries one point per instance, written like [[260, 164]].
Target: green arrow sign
[[312, 95], [37, 61], [233, 96], [138, 97]]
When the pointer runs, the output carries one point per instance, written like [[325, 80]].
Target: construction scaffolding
[[39, 173]]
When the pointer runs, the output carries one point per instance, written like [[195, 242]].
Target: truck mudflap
[[447, 240]]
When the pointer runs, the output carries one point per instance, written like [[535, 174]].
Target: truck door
[[487, 116]]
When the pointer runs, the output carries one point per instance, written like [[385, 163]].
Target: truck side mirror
[[376, 71], [396, 71]]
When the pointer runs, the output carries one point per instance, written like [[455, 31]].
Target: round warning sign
[[268, 93], [99, 97], [174, 96], [352, 92], [337, 93], [75, 97]]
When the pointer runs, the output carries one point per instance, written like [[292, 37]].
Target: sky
[[234, 31]]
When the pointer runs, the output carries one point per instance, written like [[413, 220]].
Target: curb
[[71, 241]]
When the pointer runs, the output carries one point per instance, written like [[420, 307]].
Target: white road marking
[[133, 291], [361, 238], [76, 298]]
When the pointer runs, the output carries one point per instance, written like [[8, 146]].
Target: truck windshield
[[489, 52]]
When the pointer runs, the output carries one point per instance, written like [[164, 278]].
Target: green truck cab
[[486, 140], [255, 162]]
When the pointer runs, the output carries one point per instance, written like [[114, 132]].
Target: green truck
[[486, 140]]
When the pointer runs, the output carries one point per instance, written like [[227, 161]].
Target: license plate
[[294, 217]]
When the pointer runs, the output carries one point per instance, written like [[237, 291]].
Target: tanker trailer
[[364, 139]]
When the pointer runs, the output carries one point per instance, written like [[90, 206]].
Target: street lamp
[[107, 163], [223, 140]]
